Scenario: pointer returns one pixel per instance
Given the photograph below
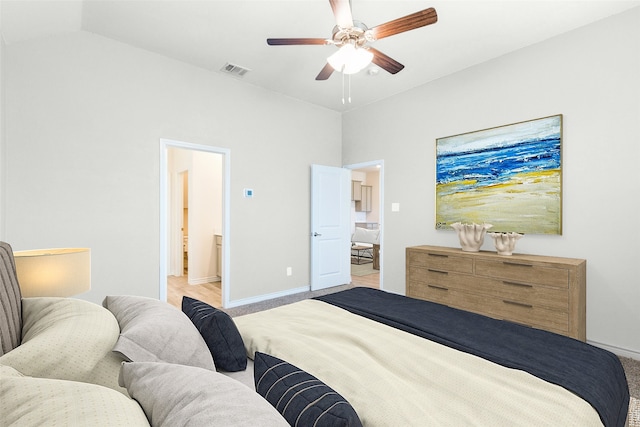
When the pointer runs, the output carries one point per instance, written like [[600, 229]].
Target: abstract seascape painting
[[509, 176]]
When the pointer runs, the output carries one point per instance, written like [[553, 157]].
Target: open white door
[[330, 242]]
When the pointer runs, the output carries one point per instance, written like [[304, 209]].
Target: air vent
[[235, 70]]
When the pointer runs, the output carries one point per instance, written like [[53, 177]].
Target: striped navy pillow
[[302, 399]]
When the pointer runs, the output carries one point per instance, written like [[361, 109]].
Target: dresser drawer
[[440, 261], [537, 295], [523, 272], [530, 315], [434, 293], [437, 276]]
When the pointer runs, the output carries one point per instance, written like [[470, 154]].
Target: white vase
[[471, 235], [505, 242]]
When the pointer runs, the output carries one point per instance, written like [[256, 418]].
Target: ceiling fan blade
[[325, 73], [342, 12], [406, 23], [298, 41], [385, 62]]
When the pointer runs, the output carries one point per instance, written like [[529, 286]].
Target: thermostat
[[248, 192]]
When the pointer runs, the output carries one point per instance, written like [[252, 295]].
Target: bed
[[402, 361]]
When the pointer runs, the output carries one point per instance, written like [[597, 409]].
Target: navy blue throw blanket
[[594, 374]]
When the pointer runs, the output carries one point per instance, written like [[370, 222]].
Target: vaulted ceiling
[[212, 33]]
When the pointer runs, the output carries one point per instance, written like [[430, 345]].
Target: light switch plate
[[395, 207]]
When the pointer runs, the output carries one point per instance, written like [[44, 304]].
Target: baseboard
[[616, 350], [203, 280], [260, 298]]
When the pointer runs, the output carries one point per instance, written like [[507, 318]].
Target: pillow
[[67, 339], [363, 235], [219, 332], [301, 398], [28, 401], [178, 395], [154, 331]]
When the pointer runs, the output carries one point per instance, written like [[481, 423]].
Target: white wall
[[86, 115], [591, 76], [205, 214], [2, 126]]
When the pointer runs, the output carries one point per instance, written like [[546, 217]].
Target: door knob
[[316, 234]]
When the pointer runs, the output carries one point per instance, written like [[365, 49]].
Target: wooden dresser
[[540, 291]]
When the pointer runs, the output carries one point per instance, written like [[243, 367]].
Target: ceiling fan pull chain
[[349, 88], [343, 87]]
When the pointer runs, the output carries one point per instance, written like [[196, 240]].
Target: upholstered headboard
[[10, 302]]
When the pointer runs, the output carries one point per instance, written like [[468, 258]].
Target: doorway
[[367, 219], [194, 234]]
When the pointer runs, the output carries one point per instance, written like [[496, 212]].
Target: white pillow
[[177, 395], [27, 401], [363, 235], [67, 339]]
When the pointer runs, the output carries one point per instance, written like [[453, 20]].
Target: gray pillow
[[177, 395], [10, 297], [154, 331]]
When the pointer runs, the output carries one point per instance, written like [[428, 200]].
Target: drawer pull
[[520, 304], [441, 288], [523, 285], [437, 271], [439, 255], [516, 264]]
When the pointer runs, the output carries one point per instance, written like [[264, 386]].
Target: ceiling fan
[[353, 38]]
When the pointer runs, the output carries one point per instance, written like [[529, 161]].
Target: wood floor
[[177, 286], [210, 293]]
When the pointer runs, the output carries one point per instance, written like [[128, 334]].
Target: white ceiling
[[210, 33]]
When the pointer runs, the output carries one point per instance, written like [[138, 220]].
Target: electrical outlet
[[289, 271]]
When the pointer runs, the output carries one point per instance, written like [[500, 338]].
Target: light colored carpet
[[634, 412]]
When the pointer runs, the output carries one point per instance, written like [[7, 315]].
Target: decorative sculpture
[[471, 235], [505, 242]]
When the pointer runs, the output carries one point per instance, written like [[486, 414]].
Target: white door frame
[[381, 207], [165, 144]]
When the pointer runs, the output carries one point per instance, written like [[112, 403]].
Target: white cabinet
[[356, 190], [364, 204]]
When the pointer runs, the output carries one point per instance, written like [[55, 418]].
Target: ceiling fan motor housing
[[359, 35]]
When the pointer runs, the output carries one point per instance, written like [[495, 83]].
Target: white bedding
[[393, 378]]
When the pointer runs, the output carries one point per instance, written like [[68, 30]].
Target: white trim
[[260, 298], [381, 207], [226, 216], [616, 350], [203, 280]]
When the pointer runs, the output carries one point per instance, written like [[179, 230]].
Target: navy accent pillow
[[219, 332], [302, 399]]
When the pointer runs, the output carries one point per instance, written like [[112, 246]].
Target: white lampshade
[[53, 272], [349, 59]]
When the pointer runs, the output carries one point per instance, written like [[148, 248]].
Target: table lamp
[[53, 272]]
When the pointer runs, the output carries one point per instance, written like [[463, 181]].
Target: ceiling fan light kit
[[350, 59]]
